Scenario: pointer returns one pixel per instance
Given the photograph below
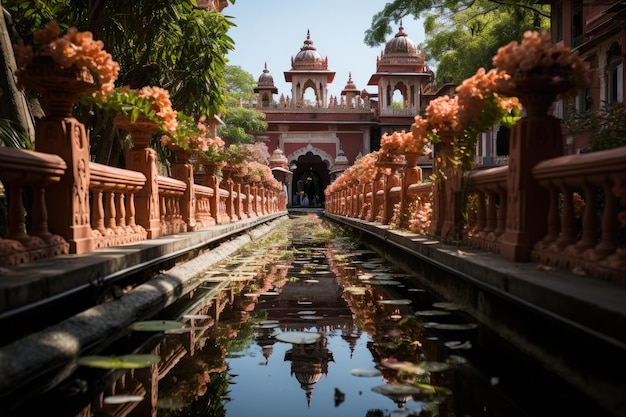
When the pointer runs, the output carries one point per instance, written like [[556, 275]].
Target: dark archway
[[313, 167]]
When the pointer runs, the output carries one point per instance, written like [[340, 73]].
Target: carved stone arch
[[326, 157], [310, 84]]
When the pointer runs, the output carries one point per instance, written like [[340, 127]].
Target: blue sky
[[274, 31]]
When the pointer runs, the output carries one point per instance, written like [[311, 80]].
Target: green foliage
[[165, 43], [234, 134], [12, 135], [240, 124], [461, 36], [240, 85], [606, 128], [124, 102]]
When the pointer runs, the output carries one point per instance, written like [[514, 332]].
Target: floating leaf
[[132, 361], [456, 360], [365, 372], [299, 338], [447, 306], [444, 326], [422, 367], [384, 282], [396, 389], [196, 317], [398, 302], [432, 313], [355, 290], [434, 389], [455, 344], [155, 325], [122, 399], [267, 322]]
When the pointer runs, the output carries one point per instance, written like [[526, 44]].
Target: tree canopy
[[165, 43], [461, 36]]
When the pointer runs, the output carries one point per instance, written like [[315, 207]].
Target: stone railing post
[[210, 180], [142, 158], [447, 220], [183, 170], [59, 133], [527, 202], [412, 175]]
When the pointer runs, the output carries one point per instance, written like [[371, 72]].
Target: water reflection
[[383, 347]]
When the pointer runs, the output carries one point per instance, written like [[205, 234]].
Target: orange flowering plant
[[74, 49], [476, 107], [393, 146], [538, 55], [193, 136]]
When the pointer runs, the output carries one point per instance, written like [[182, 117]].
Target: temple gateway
[[320, 134]]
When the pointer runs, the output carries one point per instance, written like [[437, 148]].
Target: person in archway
[[309, 188]]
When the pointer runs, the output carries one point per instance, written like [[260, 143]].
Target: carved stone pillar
[[183, 170], [61, 134], [142, 158]]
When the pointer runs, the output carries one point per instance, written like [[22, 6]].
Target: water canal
[[311, 323]]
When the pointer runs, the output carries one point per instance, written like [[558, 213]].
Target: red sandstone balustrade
[[20, 169], [590, 243], [113, 205], [485, 229], [203, 216], [171, 192]]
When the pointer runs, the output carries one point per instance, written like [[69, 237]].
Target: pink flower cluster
[[537, 53], [74, 49], [399, 143], [442, 115], [162, 105], [362, 171], [476, 94]]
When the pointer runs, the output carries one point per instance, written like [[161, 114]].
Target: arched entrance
[[310, 179]]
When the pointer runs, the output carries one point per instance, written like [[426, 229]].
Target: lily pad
[[299, 338], [396, 389], [445, 326], [266, 322], [132, 361], [432, 313], [456, 344], [122, 399], [197, 317], [397, 302], [447, 306], [155, 325], [434, 389], [365, 372], [355, 290], [384, 282]]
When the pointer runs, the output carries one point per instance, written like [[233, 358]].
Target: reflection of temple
[[321, 134], [187, 361], [313, 302], [308, 363]]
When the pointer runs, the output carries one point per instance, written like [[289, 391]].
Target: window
[[558, 21], [615, 72], [577, 22]]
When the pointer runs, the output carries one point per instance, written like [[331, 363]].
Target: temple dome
[[308, 58], [401, 44], [266, 79], [350, 86], [400, 55]]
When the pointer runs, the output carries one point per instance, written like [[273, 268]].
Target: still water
[[313, 324]]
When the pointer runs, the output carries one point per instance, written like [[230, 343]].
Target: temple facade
[[322, 134]]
